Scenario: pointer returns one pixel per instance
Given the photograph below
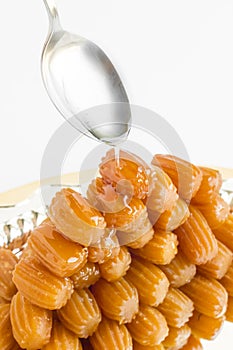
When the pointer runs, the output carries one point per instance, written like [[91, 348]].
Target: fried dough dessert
[[208, 295], [150, 281], [205, 327], [149, 327], [177, 337], [118, 300], [196, 239], [184, 175], [31, 325], [177, 307], [115, 268], [76, 218], [111, 335], [39, 285], [81, 313], [193, 343], [60, 255]]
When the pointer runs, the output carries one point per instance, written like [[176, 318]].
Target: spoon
[[83, 84]]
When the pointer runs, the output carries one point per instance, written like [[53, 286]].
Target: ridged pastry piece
[[196, 239], [208, 295], [229, 312], [150, 281], [111, 335], [204, 326], [115, 268], [162, 193], [185, 176], [218, 266], [161, 249], [132, 222], [87, 276], [180, 270], [193, 343], [31, 325], [227, 280], [81, 313], [76, 218], [173, 218], [130, 168], [149, 327], [210, 185], [118, 300], [176, 307], [224, 233], [137, 346], [108, 247], [7, 341], [7, 264], [105, 197], [177, 337], [60, 255], [39, 285], [215, 211], [62, 339]]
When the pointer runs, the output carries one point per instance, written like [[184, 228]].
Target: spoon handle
[[53, 14]]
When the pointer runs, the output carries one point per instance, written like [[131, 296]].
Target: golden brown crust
[[7, 264]]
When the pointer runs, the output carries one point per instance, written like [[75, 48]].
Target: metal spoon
[[83, 83]]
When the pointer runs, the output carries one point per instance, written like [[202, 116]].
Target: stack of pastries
[[144, 263]]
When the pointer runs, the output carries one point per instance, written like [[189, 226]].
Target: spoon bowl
[[79, 76]]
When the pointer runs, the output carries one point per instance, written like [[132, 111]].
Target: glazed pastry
[[173, 218], [161, 249], [87, 276], [115, 268], [60, 255], [229, 312], [76, 218], [204, 326], [151, 283], [224, 233], [149, 327], [7, 341], [215, 211], [31, 325], [180, 270], [111, 335], [177, 337], [162, 193], [219, 265], [7, 264], [62, 339], [196, 239], [129, 168], [193, 343], [137, 346], [208, 295], [81, 313], [108, 247], [39, 285], [210, 186], [132, 222], [141, 241], [176, 307], [118, 300], [184, 175], [227, 280]]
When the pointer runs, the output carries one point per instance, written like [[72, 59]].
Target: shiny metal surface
[[78, 76]]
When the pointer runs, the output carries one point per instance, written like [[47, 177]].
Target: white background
[[174, 57]]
